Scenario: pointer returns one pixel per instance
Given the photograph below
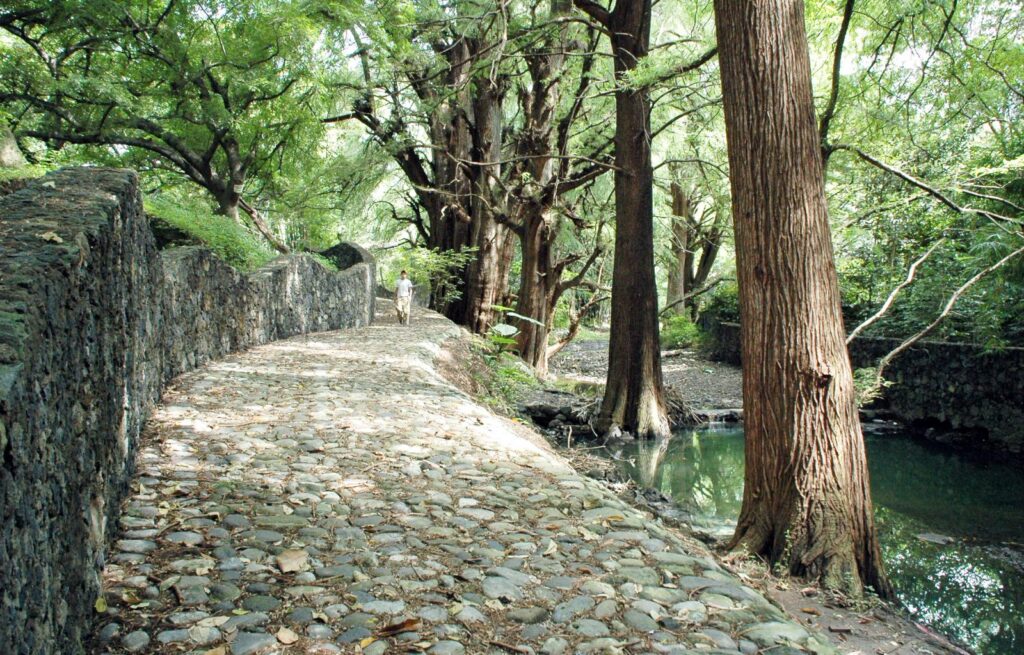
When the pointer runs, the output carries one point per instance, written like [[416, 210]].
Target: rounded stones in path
[[332, 494]]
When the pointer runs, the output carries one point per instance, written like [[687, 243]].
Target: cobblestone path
[[333, 493]]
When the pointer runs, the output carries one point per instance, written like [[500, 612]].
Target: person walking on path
[[403, 298]]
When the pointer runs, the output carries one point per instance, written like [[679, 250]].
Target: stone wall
[[972, 395], [94, 321]]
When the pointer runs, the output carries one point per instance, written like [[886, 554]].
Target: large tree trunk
[[537, 288], [10, 153], [634, 398], [228, 204], [448, 205], [466, 174], [806, 502], [680, 273], [539, 277]]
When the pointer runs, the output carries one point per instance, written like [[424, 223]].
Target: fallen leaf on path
[[407, 625], [286, 636], [292, 560], [810, 610]]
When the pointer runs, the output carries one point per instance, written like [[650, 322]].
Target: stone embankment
[[93, 323], [970, 395], [333, 493]]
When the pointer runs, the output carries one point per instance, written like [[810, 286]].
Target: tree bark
[[227, 205], [680, 274], [458, 194], [263, 228], [539, 278], [806, 501], [537, 292], [634, 397], [691, 237], [487, 278], [10, 153]]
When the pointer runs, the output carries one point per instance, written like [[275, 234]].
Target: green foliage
[[436, 268], [926, 89], [323, 261], [230, 241], [510, 382], [724, 303], [679, 332], [231, 95], [501, 337], [867, 385], [227, 96], [22, 172]]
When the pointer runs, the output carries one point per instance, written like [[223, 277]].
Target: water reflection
[[703, 475], [972, 589]]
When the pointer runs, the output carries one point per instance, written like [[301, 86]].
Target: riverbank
[[851, 625]]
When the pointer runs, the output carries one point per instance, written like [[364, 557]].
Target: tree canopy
[[487, 129]]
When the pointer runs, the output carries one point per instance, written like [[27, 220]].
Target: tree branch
[[930, 190], [693, 294], [833, 98], [945, 312], [688, 67], [595, 11], [892, 296], [261, 225]]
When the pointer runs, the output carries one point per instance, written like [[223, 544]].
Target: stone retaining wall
[[960, 387], [94, 321]]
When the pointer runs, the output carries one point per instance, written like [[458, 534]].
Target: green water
[[971, 589]]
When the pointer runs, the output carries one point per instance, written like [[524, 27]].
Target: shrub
[[724, 304], [679, 332], [230, 241], [326, 263]]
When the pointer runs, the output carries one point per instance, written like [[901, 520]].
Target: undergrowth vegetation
[[231, 241], [679, 332]]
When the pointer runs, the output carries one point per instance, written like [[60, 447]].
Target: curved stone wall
[[94, 321]]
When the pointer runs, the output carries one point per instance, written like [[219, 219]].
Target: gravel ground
[[701, 382]]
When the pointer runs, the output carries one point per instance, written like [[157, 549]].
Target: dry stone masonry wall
[[975, 392], [94, 321]]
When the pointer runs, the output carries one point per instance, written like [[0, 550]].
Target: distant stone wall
[[94, 321], [976, 395]]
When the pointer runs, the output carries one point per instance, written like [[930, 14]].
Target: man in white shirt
[[403, 298]]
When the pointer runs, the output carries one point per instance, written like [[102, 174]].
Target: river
[[951, 527]]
